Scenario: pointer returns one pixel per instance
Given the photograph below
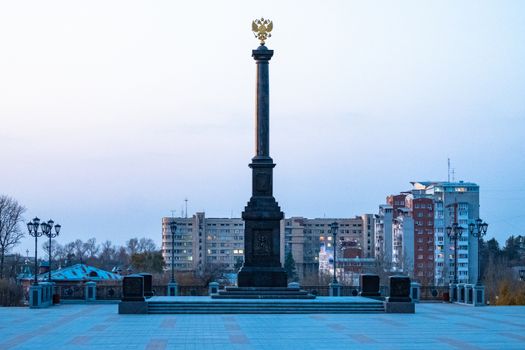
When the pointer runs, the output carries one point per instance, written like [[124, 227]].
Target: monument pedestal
[[262, 277]]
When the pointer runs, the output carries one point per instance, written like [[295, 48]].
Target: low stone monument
[[399, 300], [133, 301], [369, 285], [148, 284]]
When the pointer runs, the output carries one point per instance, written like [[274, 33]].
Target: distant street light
[[454, 232], [32, 227], [478, 230], [334, 226], [47, 228], [173, 229]]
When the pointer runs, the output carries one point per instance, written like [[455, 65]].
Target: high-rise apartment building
[[383, 235], [453, 202], [200, 242], [422, 210], [369, 241], [403, 242]]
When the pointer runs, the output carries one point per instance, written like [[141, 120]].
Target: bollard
[[479, 295], [90, 291], [415, 289], [335, 289], [213, 288], [173, 289]]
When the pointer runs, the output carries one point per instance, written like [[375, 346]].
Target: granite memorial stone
[[369, 285], [148, 284], [399, 289], [133, 288]]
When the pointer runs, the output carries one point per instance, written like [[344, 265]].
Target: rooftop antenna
[[453, 174], [448, 171], [173, 213], [186, 200]]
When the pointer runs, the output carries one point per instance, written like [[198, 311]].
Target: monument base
[[133, 307], [394, 307], [262, 277], [262, 293]]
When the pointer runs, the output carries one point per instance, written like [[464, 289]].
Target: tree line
[[138, 254]]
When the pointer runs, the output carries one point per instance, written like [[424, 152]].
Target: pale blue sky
[[112, 112]]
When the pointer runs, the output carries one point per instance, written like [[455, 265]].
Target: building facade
[[454, 202], [312, 246], [202, 242]]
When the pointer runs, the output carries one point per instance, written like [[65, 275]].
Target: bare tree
[[69, 252], [146, 245], [133, 246], [10, 233], [91, 247], [122, 256], [107, 252], [55, 249], [80, 249]]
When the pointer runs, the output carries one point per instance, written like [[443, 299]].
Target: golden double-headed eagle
[[261, 28]]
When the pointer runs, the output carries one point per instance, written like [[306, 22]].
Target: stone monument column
[[262, 216]]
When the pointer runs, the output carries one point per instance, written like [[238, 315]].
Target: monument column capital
[[262, 53]]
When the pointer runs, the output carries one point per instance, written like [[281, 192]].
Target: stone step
[[263, 292], [264, 311], [263, 307], [263, 296], [247, 311], [263, 304]]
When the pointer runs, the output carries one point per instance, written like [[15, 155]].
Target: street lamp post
[[47, 228], [454, 232], [334, 226], [173, 229], [478, 230], [32, 227]]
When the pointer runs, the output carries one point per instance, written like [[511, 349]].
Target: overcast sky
[[113, 112]]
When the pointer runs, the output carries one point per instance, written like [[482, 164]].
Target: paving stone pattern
[[433, 326]]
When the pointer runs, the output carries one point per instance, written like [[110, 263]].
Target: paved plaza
[[98, 326]]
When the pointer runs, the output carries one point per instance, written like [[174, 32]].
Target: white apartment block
[[403, 243], [383, 234]]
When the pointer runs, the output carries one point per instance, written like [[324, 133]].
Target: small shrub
[[11, 294]]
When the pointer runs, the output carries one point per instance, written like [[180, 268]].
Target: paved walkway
[[434, 326]]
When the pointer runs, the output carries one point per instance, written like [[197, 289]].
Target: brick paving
[[433, 326]]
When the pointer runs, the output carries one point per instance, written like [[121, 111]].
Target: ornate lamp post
[[173, 229], [334, 226], [454, 232], [478, 230], [47, 228], [32, 227]]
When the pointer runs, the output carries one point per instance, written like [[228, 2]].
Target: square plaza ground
[[98, 326]]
